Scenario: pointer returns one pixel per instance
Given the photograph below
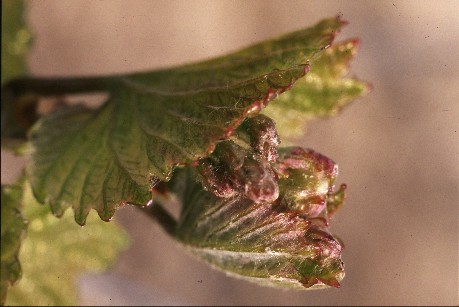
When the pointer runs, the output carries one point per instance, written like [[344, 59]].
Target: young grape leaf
[[155, 121], [56, 251], [284, 243], [13, 229], [323, 92]]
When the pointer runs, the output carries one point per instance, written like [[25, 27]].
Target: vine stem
[[158, 213], [57, 86], [20, 98]]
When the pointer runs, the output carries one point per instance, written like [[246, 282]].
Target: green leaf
[[154, 121], [323, 92], [56, 251], [13, 229], [284, 243], [16, 39]]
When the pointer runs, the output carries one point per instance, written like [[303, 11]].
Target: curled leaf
[[269, 243], [285, 242]]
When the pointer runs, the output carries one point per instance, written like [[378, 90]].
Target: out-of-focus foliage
[[55, 251], [16, 39], [13, 229]]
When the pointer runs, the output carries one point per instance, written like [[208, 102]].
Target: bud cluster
[[234, 169], [295, 180]]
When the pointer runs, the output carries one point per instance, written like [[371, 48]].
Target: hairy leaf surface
[[155, 121]]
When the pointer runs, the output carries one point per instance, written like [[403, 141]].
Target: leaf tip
[[56, 207], [106, 215], [341, 21], [332, 282], [355, 42], [80, 219], [368, 87]]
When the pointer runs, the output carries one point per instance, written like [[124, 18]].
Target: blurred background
[[397, 148]]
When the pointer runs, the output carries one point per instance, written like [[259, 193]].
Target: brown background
[[397, 149]]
